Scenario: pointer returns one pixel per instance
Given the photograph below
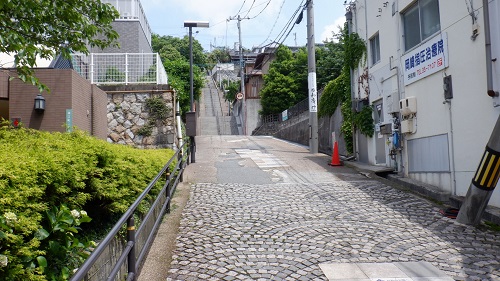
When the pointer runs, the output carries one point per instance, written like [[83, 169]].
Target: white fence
[[112, 69]]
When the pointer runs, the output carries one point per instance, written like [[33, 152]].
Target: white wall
[[468, 118]]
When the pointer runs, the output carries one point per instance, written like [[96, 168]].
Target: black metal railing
[[119, 258]]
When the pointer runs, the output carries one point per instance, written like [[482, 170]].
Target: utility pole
[[488, 172], [484, 182], [311, 81], [242, 75]]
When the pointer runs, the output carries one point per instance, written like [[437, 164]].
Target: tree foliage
[[44, 28], [329, 62], [232, 89], [220, 55], [286, 83], [338, 91], [174, 53]]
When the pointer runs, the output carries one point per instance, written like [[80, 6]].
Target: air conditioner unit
[[408, 106]]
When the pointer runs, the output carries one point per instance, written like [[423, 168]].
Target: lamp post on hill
[[191, 115]]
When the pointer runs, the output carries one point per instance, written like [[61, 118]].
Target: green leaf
[[2, 235], [42, 261], [41, 234], [65, 273]]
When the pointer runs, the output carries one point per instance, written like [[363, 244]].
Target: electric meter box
[[191, 124], [407, 126], [408, 106]]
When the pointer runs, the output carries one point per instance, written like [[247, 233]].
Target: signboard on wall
[[69, 120], [426, 59]]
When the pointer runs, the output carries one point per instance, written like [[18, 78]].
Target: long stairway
[[214, 116]]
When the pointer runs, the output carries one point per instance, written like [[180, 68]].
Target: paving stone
[[284, 231]]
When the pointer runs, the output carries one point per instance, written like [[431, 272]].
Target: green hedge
[[41, 170]]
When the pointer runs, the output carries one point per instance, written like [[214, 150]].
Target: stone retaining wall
[[127, 113]]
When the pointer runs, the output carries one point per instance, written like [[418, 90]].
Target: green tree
[[330, 60], [219, 55], [174, 53], [42, 28], [232, 90], [286, 83]]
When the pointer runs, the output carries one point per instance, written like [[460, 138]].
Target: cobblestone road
[[284, 230]]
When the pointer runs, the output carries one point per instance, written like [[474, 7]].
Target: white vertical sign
[[313, 94]]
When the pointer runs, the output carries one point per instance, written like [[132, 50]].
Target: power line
[[268, 2], [244, 1], [276, 21], [248, 12]]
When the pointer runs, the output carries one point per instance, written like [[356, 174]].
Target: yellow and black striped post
[[483, 183]]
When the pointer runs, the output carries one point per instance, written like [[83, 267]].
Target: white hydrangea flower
[[83, 213], [10, 218], [75, 214], [4, 261]]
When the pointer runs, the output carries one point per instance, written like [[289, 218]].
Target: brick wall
[[21, 100], [81, 102], [99, 111], [4, 84], [67, 91]]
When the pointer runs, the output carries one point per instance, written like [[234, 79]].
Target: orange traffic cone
[[335, 156]]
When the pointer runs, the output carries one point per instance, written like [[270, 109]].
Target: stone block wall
[[127, 114]]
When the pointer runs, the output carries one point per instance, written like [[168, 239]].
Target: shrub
[[41, 170]]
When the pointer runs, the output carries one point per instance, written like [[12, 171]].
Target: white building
[[416, 50]]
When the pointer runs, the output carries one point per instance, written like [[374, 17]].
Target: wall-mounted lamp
[[39, 103]]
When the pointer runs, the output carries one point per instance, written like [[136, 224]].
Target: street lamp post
[[190, 25]]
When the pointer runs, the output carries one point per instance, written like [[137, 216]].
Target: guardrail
[[119, 258]]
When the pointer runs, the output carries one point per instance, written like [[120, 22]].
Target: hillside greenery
[[57, 190], [174, 53]]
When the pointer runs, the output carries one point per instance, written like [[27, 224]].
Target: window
[[375, 49], [420, 22]]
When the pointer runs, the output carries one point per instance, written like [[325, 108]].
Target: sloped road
[[264, 209]]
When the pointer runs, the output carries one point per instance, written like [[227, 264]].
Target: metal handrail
[[128, 252]]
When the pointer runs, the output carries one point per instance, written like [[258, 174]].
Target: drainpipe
[[487, 44]]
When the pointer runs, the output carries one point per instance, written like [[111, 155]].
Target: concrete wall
[[253, 107], [467, 119]]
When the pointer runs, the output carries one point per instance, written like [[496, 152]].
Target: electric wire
[[268, 2], [275, 22], [244, 1], [250, 9]]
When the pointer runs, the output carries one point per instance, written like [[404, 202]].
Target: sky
[[266, 20]]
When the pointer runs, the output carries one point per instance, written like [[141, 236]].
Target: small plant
[[146, 130], [157, 108], [158, 111], [63, 251], [114, 75]]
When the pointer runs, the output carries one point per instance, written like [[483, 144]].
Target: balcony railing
[[113, 69]]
